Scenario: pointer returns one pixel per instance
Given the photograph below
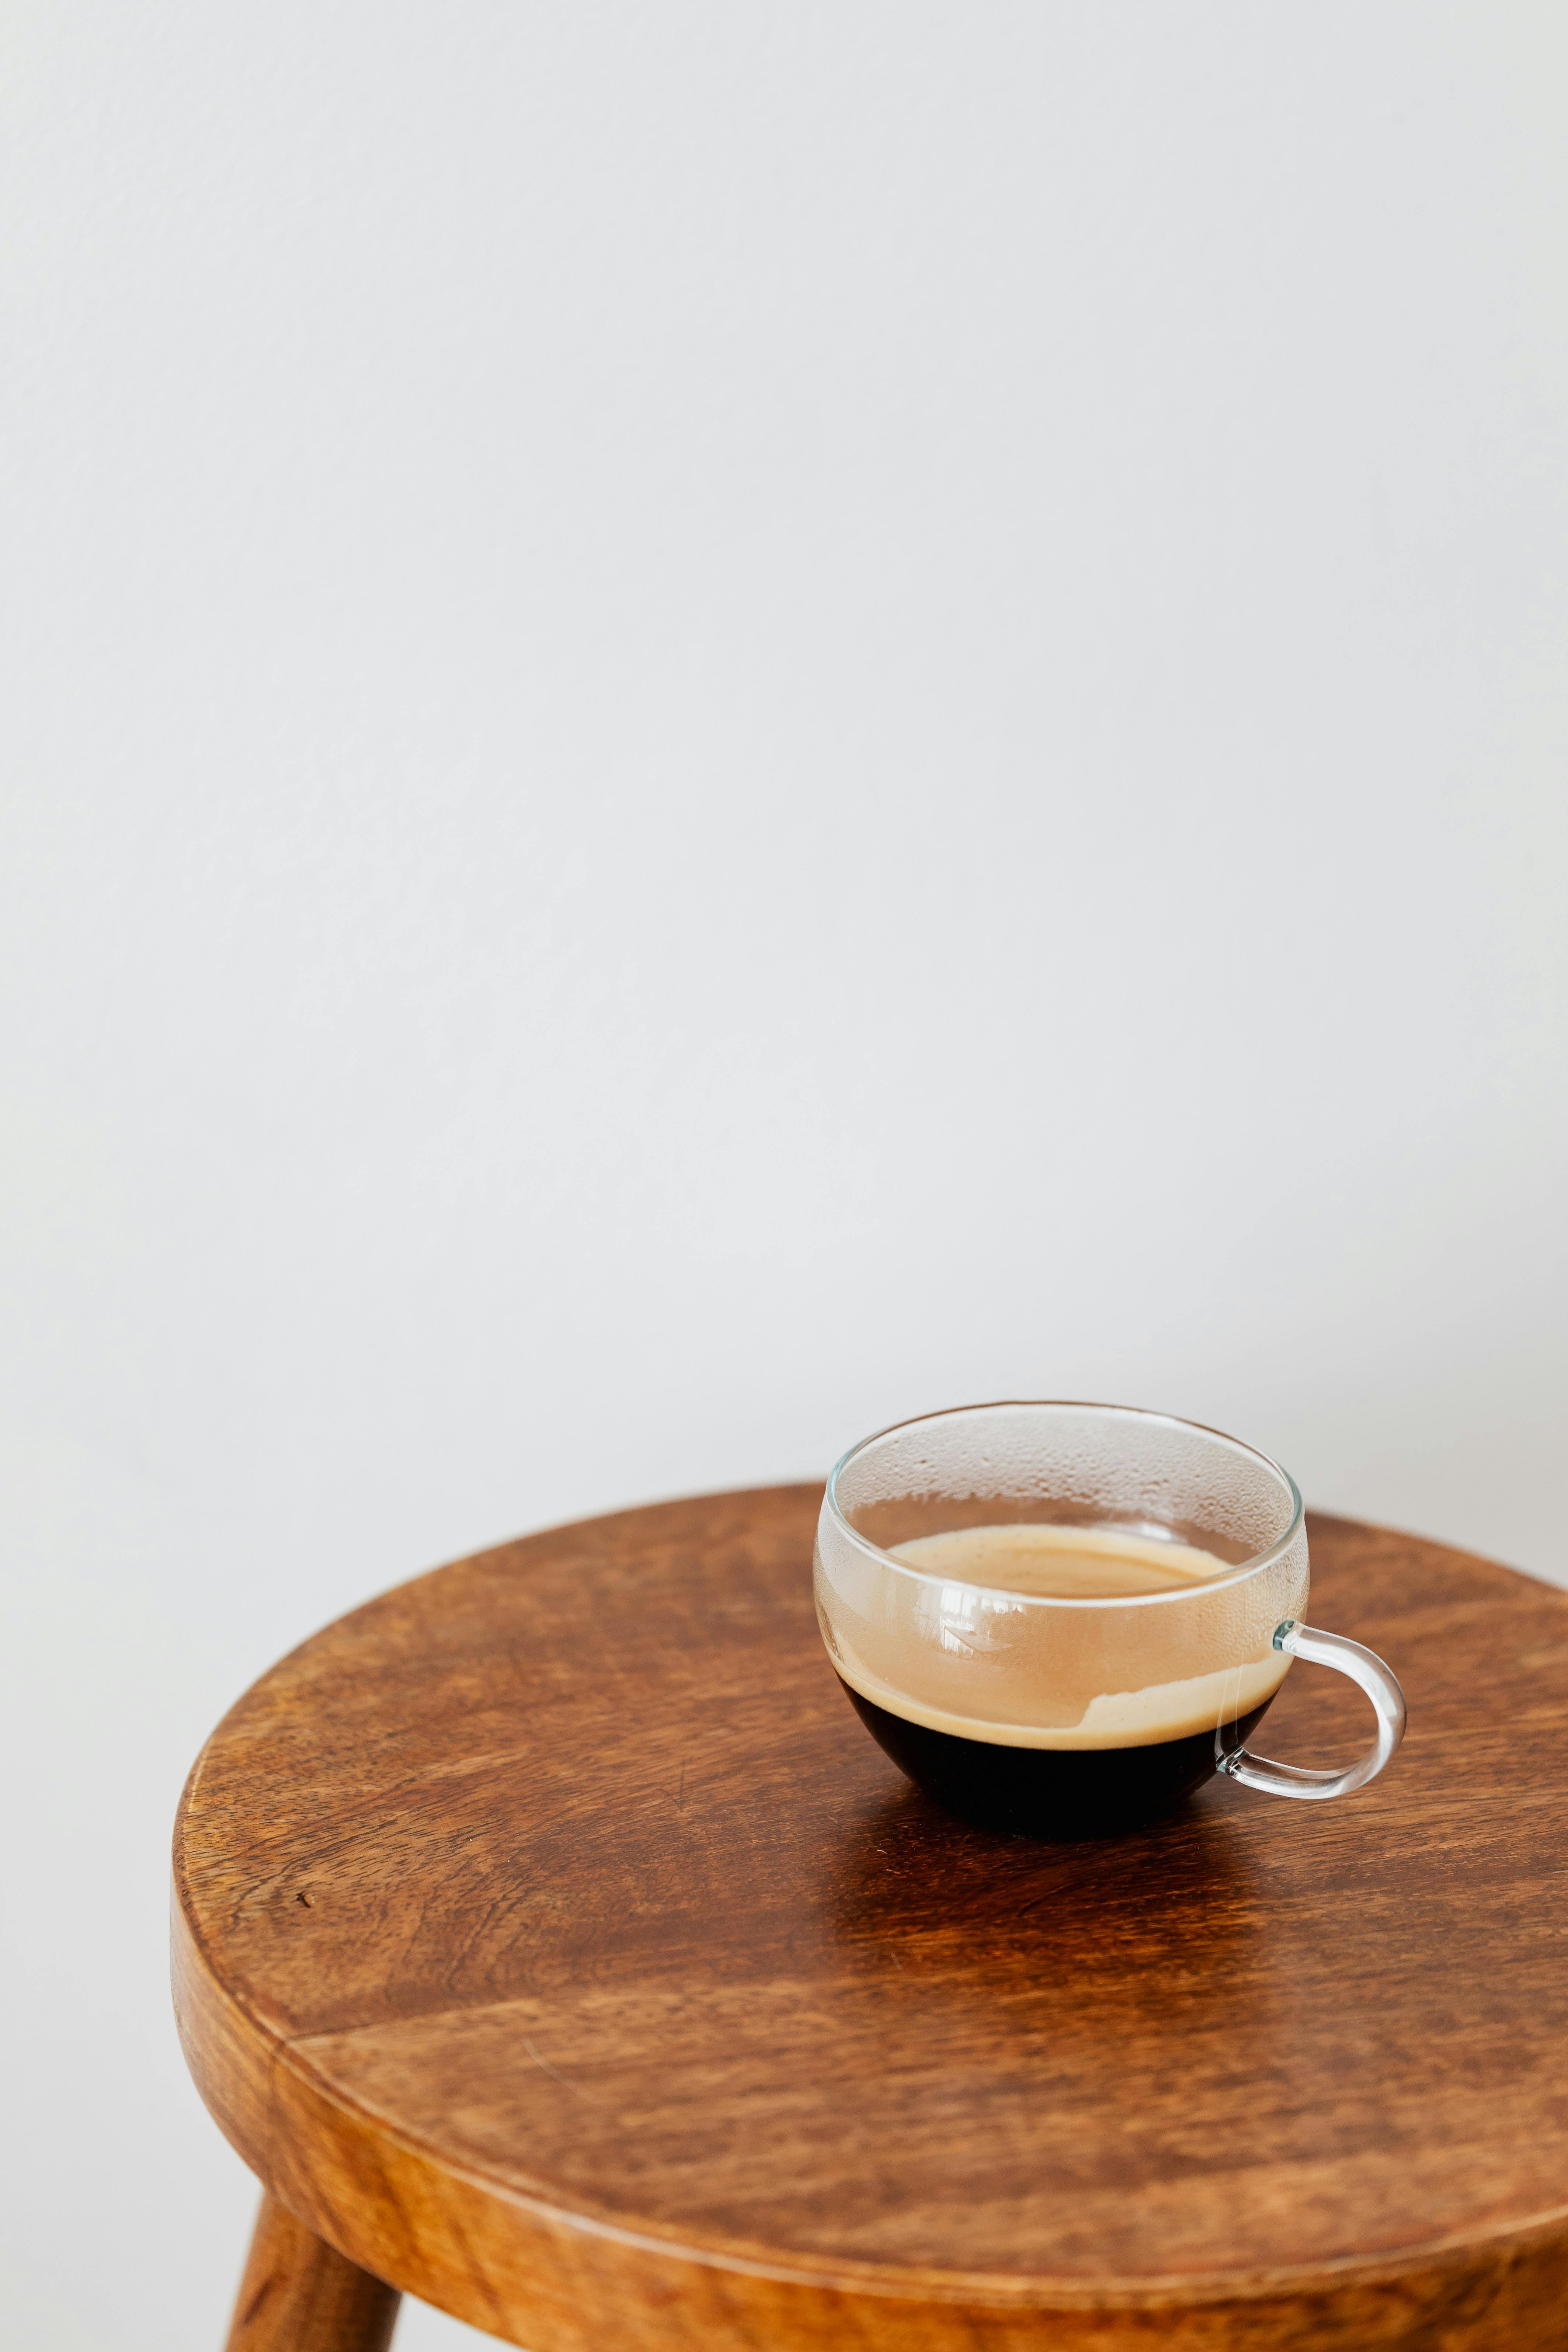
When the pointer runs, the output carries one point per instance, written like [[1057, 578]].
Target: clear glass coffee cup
[[1060, 1619]]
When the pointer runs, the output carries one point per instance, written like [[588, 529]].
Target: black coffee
[[1049, 1792], [1075, 1721]]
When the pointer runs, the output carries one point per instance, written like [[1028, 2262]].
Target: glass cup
[[1140, 1588]]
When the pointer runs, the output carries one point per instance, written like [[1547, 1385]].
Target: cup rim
[[1237, 1575]]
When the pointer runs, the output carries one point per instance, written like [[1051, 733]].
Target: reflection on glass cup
[[1060, 1619]]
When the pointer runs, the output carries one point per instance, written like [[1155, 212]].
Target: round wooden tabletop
[[553, 1940]]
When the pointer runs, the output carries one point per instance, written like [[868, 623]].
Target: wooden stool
[[554, 1944]]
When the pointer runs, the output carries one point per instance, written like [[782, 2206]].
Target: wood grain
[[550, 1937], [299, 2295]]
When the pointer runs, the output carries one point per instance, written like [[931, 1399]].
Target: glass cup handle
[[1298, 1780]]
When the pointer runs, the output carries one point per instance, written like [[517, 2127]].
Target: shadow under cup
[[1044, 1714]]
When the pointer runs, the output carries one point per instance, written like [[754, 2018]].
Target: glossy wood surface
[[300, 2295], [551, 1938]]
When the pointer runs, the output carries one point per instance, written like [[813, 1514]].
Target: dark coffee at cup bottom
[[1122, 1727], [1048, 1792]]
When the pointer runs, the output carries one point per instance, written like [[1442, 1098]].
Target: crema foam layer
[[1077, 1564], [1063, 1563]]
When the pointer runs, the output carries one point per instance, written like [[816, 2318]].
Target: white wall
[[721, 722]]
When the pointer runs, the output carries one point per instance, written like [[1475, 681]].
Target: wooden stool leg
[[298, 2295]]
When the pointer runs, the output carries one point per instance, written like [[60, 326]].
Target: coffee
[[1117, 1714], [1058, 1618]]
